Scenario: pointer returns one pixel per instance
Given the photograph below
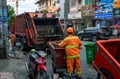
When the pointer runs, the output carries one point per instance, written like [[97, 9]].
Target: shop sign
[[104, 15], [5, 12], [76, 15], [116, 12], [1, 12], [87, 10], [3, 18], [103, 8], [3, 3]]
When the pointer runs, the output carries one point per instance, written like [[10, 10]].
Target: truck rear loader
[[34, 30]]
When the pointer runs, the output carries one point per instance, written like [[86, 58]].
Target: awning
[[38, 1]]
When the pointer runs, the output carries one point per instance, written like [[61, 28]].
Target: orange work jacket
[[72, 46]]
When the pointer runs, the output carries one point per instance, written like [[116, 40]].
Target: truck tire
[[81, 37], [106, 73], [94, 38], [25, 46]]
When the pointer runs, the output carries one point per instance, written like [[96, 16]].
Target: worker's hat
[[70, 30]]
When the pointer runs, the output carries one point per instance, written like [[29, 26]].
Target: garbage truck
[[34, 30]]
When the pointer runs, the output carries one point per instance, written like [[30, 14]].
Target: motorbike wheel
[[42, 75], [106, 73]]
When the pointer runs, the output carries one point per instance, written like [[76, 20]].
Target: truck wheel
[[94, 38], [25, 47], [106, 73]]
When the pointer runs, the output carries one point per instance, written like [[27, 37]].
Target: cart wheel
[[106, 73], [54, 69]]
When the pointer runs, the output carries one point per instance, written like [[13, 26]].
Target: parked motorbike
[[37, 65]]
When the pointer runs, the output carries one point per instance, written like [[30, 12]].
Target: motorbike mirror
[[42, 53]]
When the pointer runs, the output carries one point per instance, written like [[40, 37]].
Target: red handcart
[[58, 56], [107, 59]]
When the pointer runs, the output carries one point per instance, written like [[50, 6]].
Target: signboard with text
[[116, 12], [104, 15], [103, 9], [87, 10]]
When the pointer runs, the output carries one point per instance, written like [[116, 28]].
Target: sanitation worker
[[12, 40], [72, 46]]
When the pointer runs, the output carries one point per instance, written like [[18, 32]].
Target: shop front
[[3, 29], [76, 19]]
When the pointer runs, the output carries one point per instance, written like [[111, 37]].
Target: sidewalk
[[15, 67]]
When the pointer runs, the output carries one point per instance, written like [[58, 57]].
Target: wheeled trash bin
[[91, 48]]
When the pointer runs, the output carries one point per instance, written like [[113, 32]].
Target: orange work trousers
[[12, 44], [74, 63]]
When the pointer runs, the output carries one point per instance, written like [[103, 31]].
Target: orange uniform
[[12, 39], [72, 46]]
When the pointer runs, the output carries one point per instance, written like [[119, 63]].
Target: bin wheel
[[106, 73]]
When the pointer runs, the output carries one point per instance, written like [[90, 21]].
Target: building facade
[[74, 14], [87, 13], [63, 10], [46, 5], [81, 13]]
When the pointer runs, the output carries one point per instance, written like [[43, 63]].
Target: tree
[[11, 15]]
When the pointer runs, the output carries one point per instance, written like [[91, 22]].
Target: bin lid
[[90, 44]]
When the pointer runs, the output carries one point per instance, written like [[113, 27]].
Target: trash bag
[[65, 75]]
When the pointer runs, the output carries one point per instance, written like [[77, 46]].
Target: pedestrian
[[12, 40], [115, 33], [72, 46]]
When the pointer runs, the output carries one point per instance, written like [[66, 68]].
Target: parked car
[[95, 33]]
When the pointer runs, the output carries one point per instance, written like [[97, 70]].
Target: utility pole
[[16, 7], [3, 29], [17, 4]]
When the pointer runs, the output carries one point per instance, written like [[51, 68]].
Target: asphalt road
[[17, 66]]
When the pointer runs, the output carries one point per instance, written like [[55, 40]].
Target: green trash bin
[[90, 52]]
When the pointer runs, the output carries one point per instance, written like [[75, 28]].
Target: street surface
[[17, 66]]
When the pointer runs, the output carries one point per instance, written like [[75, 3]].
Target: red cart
[[107, 59], [58, 57]]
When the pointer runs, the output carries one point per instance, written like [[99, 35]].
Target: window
[[73, 3], [79, 1], [88, 2], [50, 2], [58, 1], [46, 3]]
